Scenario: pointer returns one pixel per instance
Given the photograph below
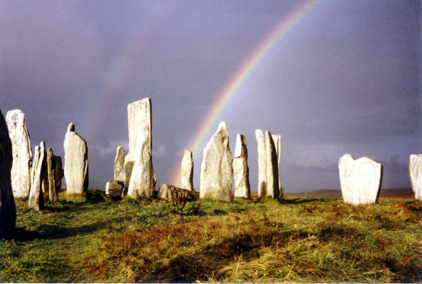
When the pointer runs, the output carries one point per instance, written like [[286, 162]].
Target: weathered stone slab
[[262, 163], [171, 193], [22, 153], [76, 162], [114, 189], [415, 172], [119, 164], [360, 179], [139, 115], [216, 175], [36, 197], [277, 145], [187, 170], [54, 175], [242, 187], [143, 180], [7, 202], [272, 167]]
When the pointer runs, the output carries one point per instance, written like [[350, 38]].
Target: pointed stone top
[[239, 142], [71, 127]]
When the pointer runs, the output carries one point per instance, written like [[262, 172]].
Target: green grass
[[93, 239]]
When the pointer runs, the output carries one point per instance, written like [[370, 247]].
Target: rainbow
[[228, 93]]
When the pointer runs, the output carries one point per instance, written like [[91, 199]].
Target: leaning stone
[[119, 164], [272, 167], [262, 162], [142, 181], [360, 179], [415, 171], [241, 169], [76, 162], [171, 193], [187, 170], [7, 202], [36, 197], [216, 176], [22, 153], [277, 145], [139, 113]]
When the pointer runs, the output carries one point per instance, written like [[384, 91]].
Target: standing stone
[[277, 145], [114, 189], [54, 175], [242, 187], [76, 162], [36, 197], [7, 202], [22, 153], [272, 167], [360, 179], [119, 164], [139, 117], [262, 162], [216, 176], [415, 171], [142, 180], [187, 170]]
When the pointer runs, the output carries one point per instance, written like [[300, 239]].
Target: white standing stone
[[216, 175], [119, 164], [7, 202], [262, 162], [187, 170], [415, 172], [139, 113], [22, 153], [360, 179], [272, 167], [277, 145], [242, 187], [36, 197], [143, 180], [76, 162]]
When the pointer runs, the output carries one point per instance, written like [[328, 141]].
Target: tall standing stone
[[119, 164], [36, 197], [22, 153], [216, 176], [142, 180], [360, 179], [262, 162], [242, 187], [277, 145], [76, 162], [415, 171], [7, 202], [272, 167], [54, 175], [187, 170]]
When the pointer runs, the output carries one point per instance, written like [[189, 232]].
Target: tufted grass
[[93, 239]]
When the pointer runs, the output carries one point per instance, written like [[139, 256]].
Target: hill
[[400, 193]]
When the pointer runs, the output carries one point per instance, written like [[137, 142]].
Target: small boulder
[[171, 193]]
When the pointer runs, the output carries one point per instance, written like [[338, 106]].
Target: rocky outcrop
[[262, 163], [22, 153], [7, 202], [119, 164], [360, 179], [277, 145], [415, 172], [139, 118], [216, 175], [54, 175], [76, 162], [187, 171], [241, 169], [142, 180], [36, 197], [171, 193]]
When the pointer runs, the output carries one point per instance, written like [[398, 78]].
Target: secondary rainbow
[[228, 93]]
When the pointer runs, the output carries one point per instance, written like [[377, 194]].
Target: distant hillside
[[335, 193]]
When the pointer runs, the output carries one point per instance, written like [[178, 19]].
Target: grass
[[93, 239]]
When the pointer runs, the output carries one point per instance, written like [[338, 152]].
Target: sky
[[331, 77]]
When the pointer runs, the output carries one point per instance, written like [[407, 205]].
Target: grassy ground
[[294, 240]]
